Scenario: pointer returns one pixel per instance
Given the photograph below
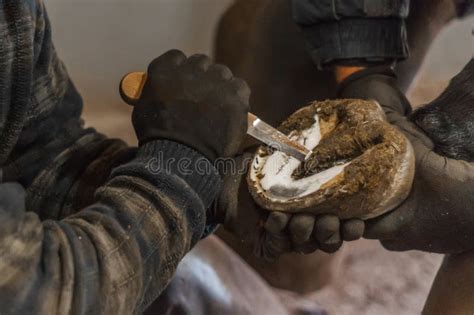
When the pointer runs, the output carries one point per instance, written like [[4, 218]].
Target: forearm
[[44, 144], [116, 255], [353, 32], [67, 182]]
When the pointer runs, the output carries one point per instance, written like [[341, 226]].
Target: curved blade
[[274, 138]]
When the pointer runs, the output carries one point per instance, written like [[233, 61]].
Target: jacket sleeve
[[116, 255], [46, 147], [353, 31], [105, 225]]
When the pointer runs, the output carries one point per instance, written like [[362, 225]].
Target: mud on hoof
[[360, 165]]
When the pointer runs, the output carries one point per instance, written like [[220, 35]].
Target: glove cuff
[[375, 70], [356, 41], [379, 84], [184, 162]]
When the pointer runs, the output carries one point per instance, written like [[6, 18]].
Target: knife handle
[[131, 87]]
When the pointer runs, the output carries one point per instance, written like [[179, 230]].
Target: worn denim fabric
[[353, 31], [97, 231]]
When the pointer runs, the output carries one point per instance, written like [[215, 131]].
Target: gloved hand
[[307, 233], [193, 102], [273, 234], [438, 215]]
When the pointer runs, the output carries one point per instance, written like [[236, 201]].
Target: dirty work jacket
[[102, 226], [359, 32], [353, 31]]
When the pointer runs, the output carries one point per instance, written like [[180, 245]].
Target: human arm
[[353, 32], [117, 252], [437, 215], [116, 255], [44, 144], [333, 41]]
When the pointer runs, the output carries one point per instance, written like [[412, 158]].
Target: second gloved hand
[[438, 214], [193, 102]]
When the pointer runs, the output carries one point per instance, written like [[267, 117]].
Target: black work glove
[[307, 233], [193, 102], [438, 215]]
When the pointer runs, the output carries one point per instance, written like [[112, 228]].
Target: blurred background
[[101, 40]]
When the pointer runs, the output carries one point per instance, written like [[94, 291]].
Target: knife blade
[[275, 139]]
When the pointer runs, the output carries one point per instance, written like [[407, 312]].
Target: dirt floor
[[375, 281]]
